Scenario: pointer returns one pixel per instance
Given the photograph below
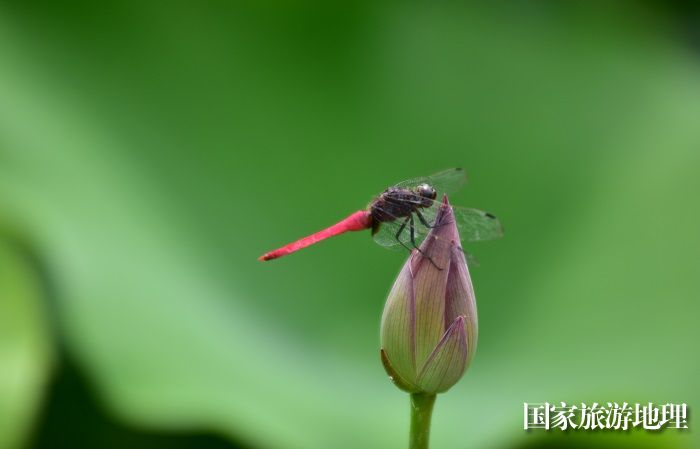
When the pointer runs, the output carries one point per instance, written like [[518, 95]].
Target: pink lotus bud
[[429, 325]]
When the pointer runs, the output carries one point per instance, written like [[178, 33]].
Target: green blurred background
[[150, 151]]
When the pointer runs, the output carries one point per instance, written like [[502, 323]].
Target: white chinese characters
[[610, 416]]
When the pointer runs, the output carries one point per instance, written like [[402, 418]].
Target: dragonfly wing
[[446, 181], [474, 225], [386, 235], [471, 260]]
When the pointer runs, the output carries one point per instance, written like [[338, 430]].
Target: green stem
[[421, 411]]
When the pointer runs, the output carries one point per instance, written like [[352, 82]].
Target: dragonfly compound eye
[[427, 191]]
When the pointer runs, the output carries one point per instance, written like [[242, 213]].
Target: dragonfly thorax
[[395, 203]]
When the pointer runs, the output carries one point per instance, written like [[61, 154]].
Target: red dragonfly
[[403, 214]]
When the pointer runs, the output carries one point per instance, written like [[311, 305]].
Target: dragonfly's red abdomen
[[357, 221]]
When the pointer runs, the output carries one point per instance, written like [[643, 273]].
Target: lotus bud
[[429, 324]]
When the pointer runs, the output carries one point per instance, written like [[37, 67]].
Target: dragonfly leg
[[413, 241], [400, 231], [413, 232], [409, 221], [423, 220]]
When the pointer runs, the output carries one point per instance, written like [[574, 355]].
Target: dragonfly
[[402, 216]]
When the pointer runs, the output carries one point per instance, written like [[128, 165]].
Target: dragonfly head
[[426, 192]]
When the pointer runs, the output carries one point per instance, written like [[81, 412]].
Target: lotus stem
[[421, 411]]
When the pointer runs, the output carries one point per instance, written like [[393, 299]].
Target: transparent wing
[[471, 260], [446, 181], [386, 235], [474, 225]]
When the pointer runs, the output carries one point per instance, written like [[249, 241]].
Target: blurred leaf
[[25, 345]]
